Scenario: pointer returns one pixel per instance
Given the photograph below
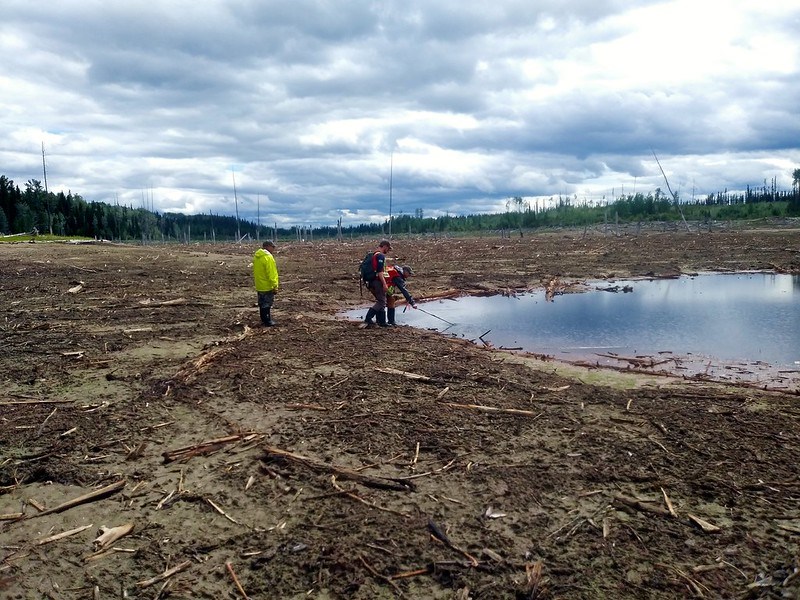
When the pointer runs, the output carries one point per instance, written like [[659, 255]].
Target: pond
[[742, 327]]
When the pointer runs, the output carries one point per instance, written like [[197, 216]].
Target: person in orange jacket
[[396, 281]]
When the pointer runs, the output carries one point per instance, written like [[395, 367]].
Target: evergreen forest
[[35, 210]]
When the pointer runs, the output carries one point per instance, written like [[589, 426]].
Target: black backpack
[[368, 267]]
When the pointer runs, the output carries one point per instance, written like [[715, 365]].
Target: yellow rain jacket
[[265, 271]]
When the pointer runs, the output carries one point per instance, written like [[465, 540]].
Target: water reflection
[[735, 318]]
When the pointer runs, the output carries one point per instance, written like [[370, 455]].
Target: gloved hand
[[413, 305]]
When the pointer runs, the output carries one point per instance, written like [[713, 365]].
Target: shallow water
[[720, 319]]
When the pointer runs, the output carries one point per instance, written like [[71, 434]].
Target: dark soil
[[311, 460]]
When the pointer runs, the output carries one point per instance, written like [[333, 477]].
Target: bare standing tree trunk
[[236, 202], [673, 194]]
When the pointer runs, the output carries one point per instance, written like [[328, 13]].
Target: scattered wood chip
[[109, 535], [668, 502], [641, 506], [704, 525], [35, 504], [490, 513], [492, 555], [137, 452]]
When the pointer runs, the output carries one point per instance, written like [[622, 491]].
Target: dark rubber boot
[[381, 318], [390, 317], [269, 322], [370, 314], [265, 319]]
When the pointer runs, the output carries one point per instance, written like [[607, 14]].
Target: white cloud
[[474, 102]]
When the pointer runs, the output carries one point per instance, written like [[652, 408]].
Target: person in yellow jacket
[[265, 278]]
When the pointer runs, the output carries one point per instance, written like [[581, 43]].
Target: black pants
[[265, 300]]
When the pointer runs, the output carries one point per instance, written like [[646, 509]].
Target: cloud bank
[[310, 107]]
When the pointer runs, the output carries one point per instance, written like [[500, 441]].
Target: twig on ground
[[668, 502], [206, 447], [382, 578], [41, 427], [482, 408], [90, 497], [165, 575], [384, 483], [353, 496], [406, 374], [229, 566], [220, 511], [62, 535], [440, 535]]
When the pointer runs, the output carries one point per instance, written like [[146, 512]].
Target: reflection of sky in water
[[739, 317]]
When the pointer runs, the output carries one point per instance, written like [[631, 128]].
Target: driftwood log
[[383, 483]]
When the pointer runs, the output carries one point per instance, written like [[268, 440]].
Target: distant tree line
[[70, 215], [60, 214]]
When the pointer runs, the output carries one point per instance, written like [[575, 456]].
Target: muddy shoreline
[[319, 460]]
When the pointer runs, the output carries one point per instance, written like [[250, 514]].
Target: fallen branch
[[165, 575], [494, 409], [383, 483], [391, 371], [206, 447], [380, 577], [440, 535], [452, 293], [635, 361], [191, 370], [418, 475], [152, 304], [62, 535], [642, 506], [296, 406], [90, 497], [18, 402], [414, 573], [353, 496]]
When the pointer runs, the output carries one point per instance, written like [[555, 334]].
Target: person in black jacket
[[377, 284]]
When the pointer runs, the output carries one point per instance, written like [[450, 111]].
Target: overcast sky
[[310, 105]]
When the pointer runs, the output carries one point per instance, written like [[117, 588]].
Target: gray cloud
[[473, 102]]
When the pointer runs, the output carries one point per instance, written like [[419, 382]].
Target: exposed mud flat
[[319, 460]]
